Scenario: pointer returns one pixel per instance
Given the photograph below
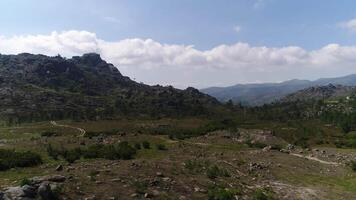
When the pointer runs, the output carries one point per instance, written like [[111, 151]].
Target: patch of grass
[[215, 172], [161, 147], [122, 150], [146, 145], [140, 187], [221, 193], [25, 181], [262, 194], [11, 158], [137, 145], [196, 166], [353, 165]]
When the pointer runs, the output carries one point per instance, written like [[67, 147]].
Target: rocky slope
[[38, 87], [320, 93]]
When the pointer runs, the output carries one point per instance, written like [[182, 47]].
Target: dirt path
[[82, 131], [314, 159]]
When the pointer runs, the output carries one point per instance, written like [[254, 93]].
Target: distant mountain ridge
[[263, 93]]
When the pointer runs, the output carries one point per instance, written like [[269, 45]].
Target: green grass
[[344, 183]]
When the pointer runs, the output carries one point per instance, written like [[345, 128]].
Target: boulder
[[45, 192], [29, 191]]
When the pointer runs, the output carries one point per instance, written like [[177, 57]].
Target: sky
[[197, 43]]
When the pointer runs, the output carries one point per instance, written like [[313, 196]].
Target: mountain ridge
[[256, 94]]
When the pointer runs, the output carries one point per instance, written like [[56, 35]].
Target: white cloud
[[349, 25], [153, 62], [237, 29]]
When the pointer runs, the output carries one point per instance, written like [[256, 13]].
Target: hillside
[[38, 87], [327, 92], [259, 94]]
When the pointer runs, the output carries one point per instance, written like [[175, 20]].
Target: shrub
[[196, 166], [125, 150], [146, 144], [11, 158], [49, 134], [140, 187], [25, 181], [220, 193], [353, 166], [137, 145], [215, 171], [112, 152], [261, 194], [161, 147], [72, 155], [52, 152]]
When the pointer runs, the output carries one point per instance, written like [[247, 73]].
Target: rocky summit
[[39, 87]]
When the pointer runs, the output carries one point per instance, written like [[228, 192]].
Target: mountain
[[259, 94], [328, 92], [39, 87]]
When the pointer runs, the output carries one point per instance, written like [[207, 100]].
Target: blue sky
[[204, 24]]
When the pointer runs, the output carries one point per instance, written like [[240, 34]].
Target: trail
[[82, 131], [314, 159]]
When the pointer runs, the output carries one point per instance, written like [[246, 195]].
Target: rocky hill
[[38, 87], [321, 93]]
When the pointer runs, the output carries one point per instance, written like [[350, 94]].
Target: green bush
[[261, 194], [220, 193], [49, 134], [161, 147], [25, 181], [121, 150], [125, 150], [72, 155], [353, 166], [11, 158], [146, 144], [137, 146], [52, 152], [215, 171]]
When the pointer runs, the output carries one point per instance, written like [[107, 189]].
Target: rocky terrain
[[38, 87], [321, 93]]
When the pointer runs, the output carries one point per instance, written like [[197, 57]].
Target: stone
[[267, 148], [159, 174], [134, 195], [45, 192], [59, 168], [155, 193], [56, 178], [148, 195], [29, 191], [14, 193]]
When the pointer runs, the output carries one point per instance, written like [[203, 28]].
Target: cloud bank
[[182, 65]]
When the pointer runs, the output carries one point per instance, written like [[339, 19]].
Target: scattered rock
[[45, 192], [290, 147], [267, 148], [29, 191], [148, 195], [59, 168], [159, 174]]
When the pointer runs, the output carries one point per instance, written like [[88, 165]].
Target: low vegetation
[[122, 150], [11, 158]]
